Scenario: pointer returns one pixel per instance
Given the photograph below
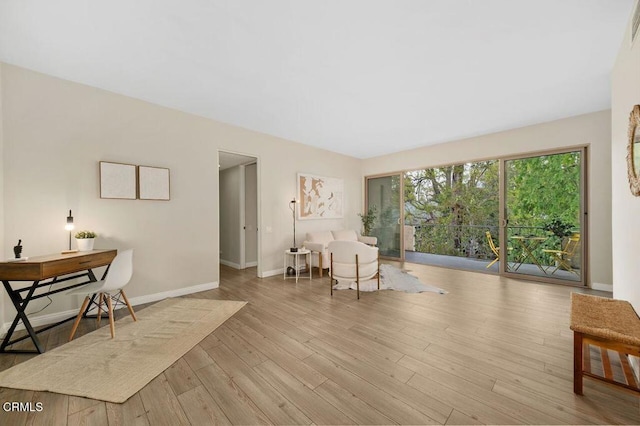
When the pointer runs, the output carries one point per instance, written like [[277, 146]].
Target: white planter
[[85, 244]]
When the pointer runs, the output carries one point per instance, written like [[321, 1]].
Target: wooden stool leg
[[111, 322], [578, 360], [79, 317], [124, 296]]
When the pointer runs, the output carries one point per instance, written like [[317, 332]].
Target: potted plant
[[559, 228], [84, 240], [368, 219]]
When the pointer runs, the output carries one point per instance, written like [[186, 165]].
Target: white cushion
[[320, 237], [345, 235]]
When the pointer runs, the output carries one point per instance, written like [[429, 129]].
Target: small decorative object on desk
[[84, 240], [17, 250]]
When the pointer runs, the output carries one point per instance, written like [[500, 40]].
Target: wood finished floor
[[492, 351]]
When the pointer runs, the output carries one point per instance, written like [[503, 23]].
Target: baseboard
[[250, 264], [172, 293], [602, 287], [272, 273], [59, 316], [230, 264]]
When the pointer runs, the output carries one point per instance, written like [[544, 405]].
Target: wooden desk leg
[[578, 362]]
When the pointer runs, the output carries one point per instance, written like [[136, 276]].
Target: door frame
[[241, 235], [401, 208], [584, 217]]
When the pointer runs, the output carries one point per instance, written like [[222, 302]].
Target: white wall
[[3, 315], [626, 208], [589, 129], [230, 216], [56, 131]]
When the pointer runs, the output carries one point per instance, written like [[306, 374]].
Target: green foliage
[[85, 234], [543, 188], [368, 219], [452, 207]]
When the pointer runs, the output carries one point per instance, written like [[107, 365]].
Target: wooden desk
[[46, 271]]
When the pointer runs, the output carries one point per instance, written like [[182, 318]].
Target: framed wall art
[[153, 183], [117, 180], [320, 197]]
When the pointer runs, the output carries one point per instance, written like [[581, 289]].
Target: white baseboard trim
[[230, 264], [250, 264], [59, 316], [602, 287], [173, 293], [272, 273]]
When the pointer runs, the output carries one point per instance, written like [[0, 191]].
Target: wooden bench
[[608, 324]]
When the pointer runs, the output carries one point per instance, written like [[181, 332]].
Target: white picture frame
[[320, 197], [154, 183], [117, 180]]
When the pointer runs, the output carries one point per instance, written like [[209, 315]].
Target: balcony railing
[[470, 241]]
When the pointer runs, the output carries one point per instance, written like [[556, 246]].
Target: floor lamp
[[292, 206]]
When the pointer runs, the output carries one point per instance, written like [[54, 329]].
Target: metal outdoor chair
[[564, 257]]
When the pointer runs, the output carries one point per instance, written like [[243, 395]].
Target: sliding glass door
[[384, 195], [543, 217]]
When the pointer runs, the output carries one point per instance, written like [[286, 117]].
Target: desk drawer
[[76, 264]]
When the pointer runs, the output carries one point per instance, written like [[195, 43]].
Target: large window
[[514, 216]]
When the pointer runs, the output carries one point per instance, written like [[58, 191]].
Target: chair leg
[[357, 277], [79, 317], [378, 270], [99, 308], [330, 274], [124, 296], [112, 325]]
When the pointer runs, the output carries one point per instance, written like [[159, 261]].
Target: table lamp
[[69, 227]]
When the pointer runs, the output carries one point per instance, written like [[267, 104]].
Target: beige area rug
[[98, 367]]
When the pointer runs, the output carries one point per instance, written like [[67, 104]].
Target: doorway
[[543, 217], [238, 210]]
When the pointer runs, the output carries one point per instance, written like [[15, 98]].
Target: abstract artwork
[[320, 197]]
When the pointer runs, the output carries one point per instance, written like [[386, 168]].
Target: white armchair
[[318, 243], [353, 261]]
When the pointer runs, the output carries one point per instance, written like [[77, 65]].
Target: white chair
[[353, 261], [108, 289], [318, 243]]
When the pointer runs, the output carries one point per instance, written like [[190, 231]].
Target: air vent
[[635, 22]]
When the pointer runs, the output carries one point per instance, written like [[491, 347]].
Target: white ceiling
[[359, 77]]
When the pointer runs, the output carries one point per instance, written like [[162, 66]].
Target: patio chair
[[494, 249], [564, 257]]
